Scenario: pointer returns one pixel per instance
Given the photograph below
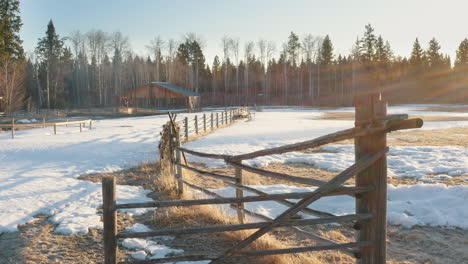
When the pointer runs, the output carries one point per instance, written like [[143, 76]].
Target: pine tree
[[434, 57], [10, 25], [49, 50], [326, 52], [462, 54], [417, 55], [368, 43], [293, 47]]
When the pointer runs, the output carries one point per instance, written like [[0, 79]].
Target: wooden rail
[[13, 126], [193, 127], [371, 126]]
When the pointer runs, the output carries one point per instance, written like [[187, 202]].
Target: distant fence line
[[13, 126], [194, 126], [370, 170]]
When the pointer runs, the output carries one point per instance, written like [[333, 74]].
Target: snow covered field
[[422, 204], [39, 169]]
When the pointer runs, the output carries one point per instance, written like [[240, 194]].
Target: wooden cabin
[[161, 95]]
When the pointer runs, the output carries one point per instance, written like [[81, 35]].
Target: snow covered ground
[[274, 128], [38, 170], [422, 204]]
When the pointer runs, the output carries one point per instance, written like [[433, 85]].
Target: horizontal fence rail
[[371, 126], [14, 126]]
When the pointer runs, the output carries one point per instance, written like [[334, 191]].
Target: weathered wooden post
[[13, 127], [212, 120], [179, 172], [204, 122], [55, 129], [81, 127], [186, 128], [371, 110], [240, 194], [109, 220], [230, 116], [196, 125], [225, 118], [217, 120]]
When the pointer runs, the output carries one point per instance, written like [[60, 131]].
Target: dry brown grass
[[176, 217]]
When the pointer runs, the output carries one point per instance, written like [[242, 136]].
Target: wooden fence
[[13, 125], [370, 191], [200, 124]]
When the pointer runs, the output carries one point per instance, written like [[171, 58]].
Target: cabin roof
[[176, 88]]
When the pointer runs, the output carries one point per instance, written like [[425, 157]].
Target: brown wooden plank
[[204, 155], [359, 166], [303, 249], [278, 175], [210, 174], [320, 141], [221, 200], [237, 227], [263, 217], [109, 220], [375, 201]]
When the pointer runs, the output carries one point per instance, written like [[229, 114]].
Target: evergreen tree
[[462, 54], [49, 50], [10, 25], [417, 55], [326, 51], [293, 47], [368, 43], [434, 57]]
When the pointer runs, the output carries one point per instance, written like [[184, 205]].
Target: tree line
[[92, 69]]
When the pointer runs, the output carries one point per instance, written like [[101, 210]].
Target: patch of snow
[[140, 255], [408, 205], [138, 228], [39, 170], [152, 248]]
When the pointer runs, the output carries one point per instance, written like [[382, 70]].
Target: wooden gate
[[370, 191]]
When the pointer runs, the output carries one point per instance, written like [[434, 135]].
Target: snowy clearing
[[39, 170], [276, 128]]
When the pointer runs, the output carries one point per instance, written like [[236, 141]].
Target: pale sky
[[398, 21]]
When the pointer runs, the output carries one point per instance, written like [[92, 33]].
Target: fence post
[[179, 173], [225, 118], [372, 110], [230, 116], [196, 125], [212, 120], [204, 122], [186, 128], [90, 124], [55, 129], [217, 120], [109, 220], [13, 127], [240, 194], [81, 128]]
